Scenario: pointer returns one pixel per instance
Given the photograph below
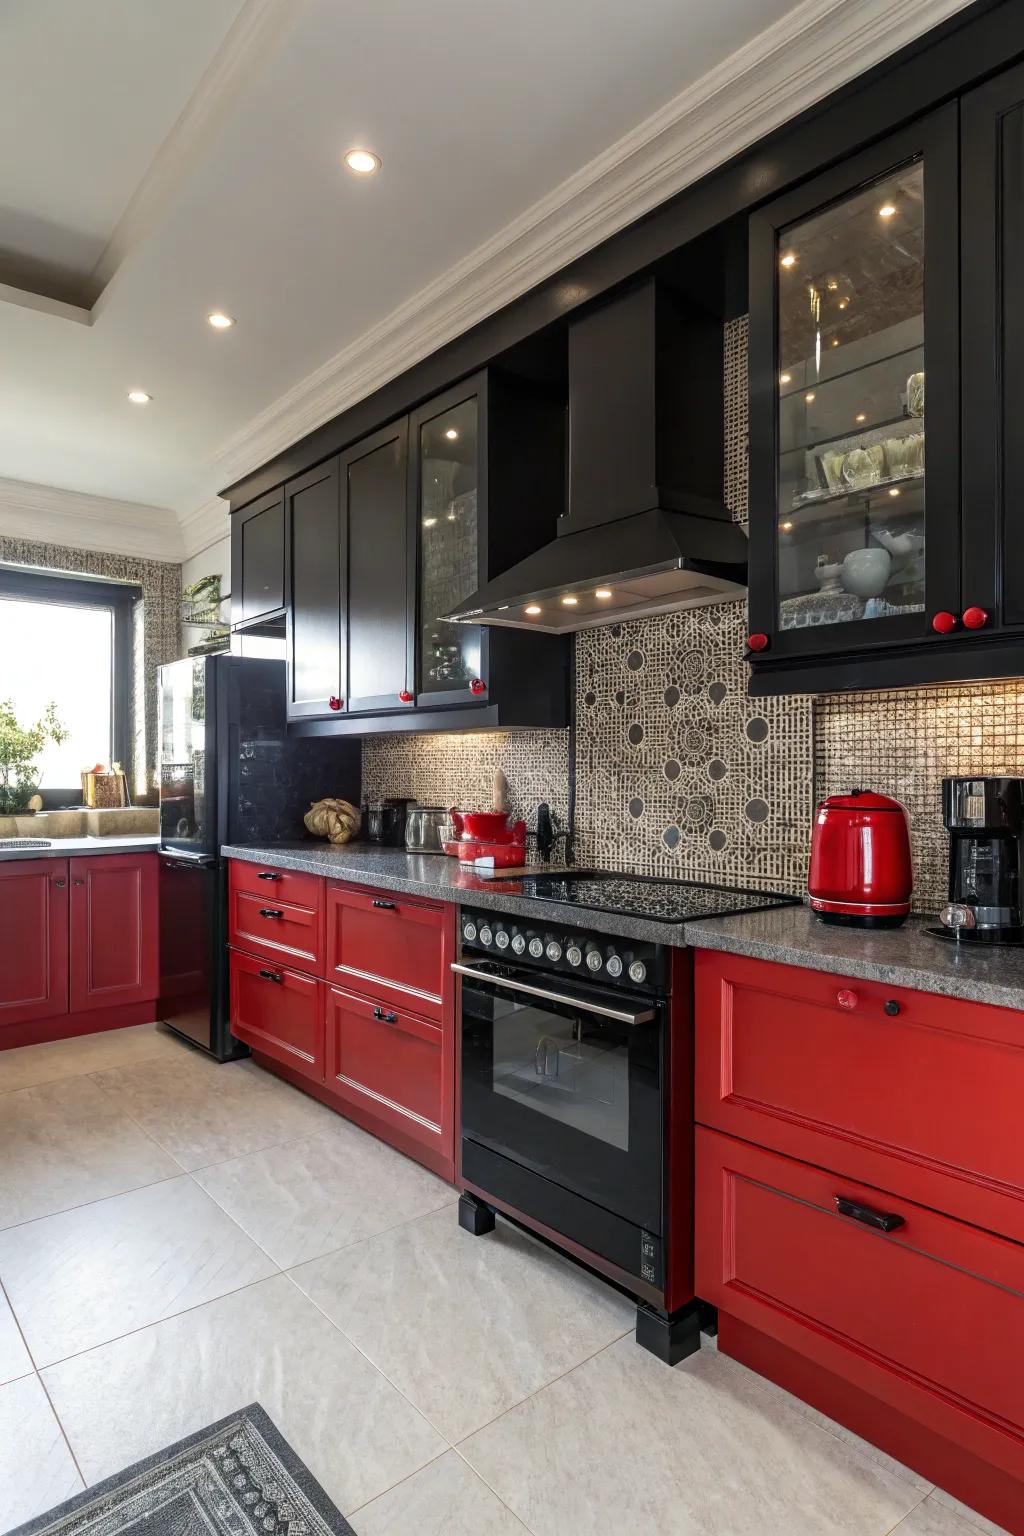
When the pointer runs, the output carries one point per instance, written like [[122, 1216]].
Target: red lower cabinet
[[115, 956], [279, 1013], [33, 941], [390, 1068]]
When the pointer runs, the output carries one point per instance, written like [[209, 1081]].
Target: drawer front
[[278, 1012], [389, 948], [868, 1087], [387, 1063], [771, 1245], [274, 885], [268, 925]]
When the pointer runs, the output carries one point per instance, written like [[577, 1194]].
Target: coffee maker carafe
[[985, 821]]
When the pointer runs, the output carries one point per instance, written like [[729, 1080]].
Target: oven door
[[567, 1082]]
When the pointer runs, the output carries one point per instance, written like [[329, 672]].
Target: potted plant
[[20, 746]]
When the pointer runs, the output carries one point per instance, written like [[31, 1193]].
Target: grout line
[[80, 1205], [906, 1517], [440, 1457], [36, 1373]]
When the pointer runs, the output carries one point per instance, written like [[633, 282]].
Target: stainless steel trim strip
[[639, 1016]]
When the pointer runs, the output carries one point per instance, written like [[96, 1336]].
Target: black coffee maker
[[985, 820]]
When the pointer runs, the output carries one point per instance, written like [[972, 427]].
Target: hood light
[[570, 601], [603, 592], [532, 609]]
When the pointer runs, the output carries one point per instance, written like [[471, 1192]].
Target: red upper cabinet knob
[[975, 618], [405, 696], [757, 642], [847, 999], [944, 623], [334, 702], [478, 685]]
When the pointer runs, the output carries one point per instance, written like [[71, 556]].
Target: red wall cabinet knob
[[847, 999], [334, 702], [944, 623], [478, 685], [975, 618], [757, 642], [405, 696]]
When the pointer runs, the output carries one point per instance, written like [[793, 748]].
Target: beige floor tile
[[444, 1499], [37, 1470], [310, 1197], [64, 1143], [89, 1275], [624, 1444], [465, 1326], [974, 1521], [267, 1344], [15, 1359], [28, 1065], [204, 1112]]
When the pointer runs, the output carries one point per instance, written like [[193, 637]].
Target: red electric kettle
[[860, 871]]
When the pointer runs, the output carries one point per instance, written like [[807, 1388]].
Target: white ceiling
[[478, 111]]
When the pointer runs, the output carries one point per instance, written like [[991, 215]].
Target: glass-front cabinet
[[854, 480]]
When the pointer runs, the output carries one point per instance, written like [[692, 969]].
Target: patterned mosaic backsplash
[[457, 768]]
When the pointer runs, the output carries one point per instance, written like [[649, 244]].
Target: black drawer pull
[[882, 1221], [268, 874], [385, 1018], [385, 906], [271, 912], [272, 976]]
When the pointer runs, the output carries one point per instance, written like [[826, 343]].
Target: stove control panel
[[599, 959]]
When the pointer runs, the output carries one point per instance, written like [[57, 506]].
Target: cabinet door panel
[[315, 582], [390, 1064], [33, 940], [389, 946], [278, 1012], [114, 930], [380, 660], [257, 559]]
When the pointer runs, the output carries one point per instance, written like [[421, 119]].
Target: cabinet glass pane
[[851, 528], [449, 552]]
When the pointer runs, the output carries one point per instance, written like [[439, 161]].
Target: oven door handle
[[620, 1015]]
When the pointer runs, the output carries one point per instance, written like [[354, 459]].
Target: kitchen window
[[68, 639]]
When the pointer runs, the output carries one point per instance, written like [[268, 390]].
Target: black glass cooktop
[[663, 901]]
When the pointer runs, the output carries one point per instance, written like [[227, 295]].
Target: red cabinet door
[[33, 940], [114, 930], [279, 1013]]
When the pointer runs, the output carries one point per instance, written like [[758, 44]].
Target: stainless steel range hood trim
[[728, 592]]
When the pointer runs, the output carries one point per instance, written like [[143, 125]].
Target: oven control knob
[[554, 951], [614, 966], [518, 943], [486, 935], [536, 948], [574, 955], [469, 932], [594, 960], [501, 939], [638, 972]]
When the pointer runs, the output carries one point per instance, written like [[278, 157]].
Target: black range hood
[[647, 530]]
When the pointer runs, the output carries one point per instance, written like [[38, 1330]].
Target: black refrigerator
[[229, 773]]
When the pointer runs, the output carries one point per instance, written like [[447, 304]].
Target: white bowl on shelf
[[866, 572]]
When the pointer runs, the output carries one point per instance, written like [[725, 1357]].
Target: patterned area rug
[[238, 1477]]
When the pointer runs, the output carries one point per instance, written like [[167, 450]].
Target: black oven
[[563, 1091]]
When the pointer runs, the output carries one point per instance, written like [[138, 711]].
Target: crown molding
[[54, 516], [253, 36], [204, 526], [792, 65]]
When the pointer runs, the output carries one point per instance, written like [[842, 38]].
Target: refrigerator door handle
[[195, 860]]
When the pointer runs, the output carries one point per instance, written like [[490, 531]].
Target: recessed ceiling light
[[785, 378], [362, 161], [532, 609], [886, 211], [429, 522], [451, 434], [603, 592], [789, 260], [809, 396], [219, 320], [570, 601], [139, 397]]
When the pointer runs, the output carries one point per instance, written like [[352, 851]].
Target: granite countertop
[[903, 957], [69, 847]]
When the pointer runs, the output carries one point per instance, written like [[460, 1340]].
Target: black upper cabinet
[[316, 550], [992, 313], [380, 624], [854, 485], [257, 561]]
